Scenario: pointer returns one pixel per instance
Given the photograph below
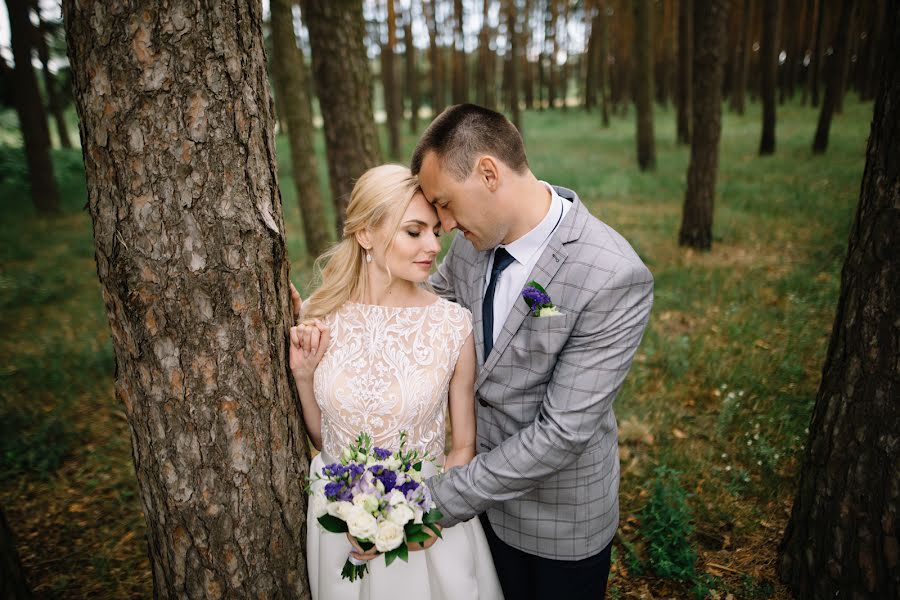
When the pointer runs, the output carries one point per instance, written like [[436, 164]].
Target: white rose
[[339, 509], [396, 497], [548, 311], [418, 514], [393, 464], [361, 524], [401, 514], [361, 458], [415, 475], [368, 502], [388, 536]]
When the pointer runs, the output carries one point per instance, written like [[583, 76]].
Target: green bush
[[666, 528]]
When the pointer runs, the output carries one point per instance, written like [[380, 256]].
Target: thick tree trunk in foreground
[[842, 539], [13, 585], [643, 101], [294, 83], [683, 86], [30, 109], [177, 129], [710, 19], [768, 62], [344, 86], [833, 75]]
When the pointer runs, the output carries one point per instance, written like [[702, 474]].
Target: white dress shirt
[[526, 251]]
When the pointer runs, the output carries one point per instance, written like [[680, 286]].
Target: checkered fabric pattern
[[547, 468]]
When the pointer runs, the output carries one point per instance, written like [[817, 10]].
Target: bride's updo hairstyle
[[379, 198]]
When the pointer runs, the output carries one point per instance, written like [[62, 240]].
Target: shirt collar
[[523, 249]]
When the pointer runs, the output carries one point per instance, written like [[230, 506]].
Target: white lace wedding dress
[[388, 370]]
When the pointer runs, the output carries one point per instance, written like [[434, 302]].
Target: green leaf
[[390, 555], [420, 537], [432, 516], [417, 466], [435, 529], [365, 545], [403, 552], [412, 528], [537, 286], [333, 524]]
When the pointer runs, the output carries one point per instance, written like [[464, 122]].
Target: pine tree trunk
[[591, 21], [392, 99], [564, 44], [13, 585], [842, 538], [554, 52], [30, 109], [603, 59], [512, 28], [527, 71], [344, 85], [710, 20], [685, 70], [818, 54], [438, 96], [643, 25], [481, 69], [298, 122], [412, 75], [177, 129], [738, 96], [833, 78], [844, 62], [460, 87], [768, 61], [54, 102]]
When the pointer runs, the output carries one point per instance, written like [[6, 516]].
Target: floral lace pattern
[[388, 370]]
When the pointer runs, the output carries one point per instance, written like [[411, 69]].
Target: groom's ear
[[488, 171]]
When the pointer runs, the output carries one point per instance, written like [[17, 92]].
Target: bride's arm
[[462, 407], [303, 368]]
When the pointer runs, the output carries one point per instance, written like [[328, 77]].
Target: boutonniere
[[539, 303]]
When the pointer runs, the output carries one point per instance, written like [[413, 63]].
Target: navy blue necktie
[[502, 259]]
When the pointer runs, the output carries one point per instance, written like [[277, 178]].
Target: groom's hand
[[296, 302]]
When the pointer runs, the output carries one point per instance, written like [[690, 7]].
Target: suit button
[[482, 402]]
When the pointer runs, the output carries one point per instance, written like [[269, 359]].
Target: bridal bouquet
[[379, 498]]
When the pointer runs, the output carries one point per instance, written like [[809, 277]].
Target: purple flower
[[333, 489], [410, 485], [534, 296], [333, 470], [382, 453], [355, 470]]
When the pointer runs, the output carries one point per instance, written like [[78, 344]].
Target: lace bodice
[[388, 370]]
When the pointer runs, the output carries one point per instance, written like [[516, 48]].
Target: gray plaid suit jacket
[[547, 464]]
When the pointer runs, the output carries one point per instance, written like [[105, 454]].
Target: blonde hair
[[380, 198]]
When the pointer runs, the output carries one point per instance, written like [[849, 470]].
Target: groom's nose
[[448, 223]]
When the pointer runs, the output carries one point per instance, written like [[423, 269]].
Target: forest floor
[[720, 392]]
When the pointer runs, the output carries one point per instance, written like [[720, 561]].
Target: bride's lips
[[425, 264]]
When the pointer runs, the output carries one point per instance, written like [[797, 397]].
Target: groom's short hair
[[463, 132]]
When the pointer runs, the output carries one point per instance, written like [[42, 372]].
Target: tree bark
[[591, 22], [392, 99], [412, 75], [643, 101], [512, 28], [482, 76], [603, 60], [527, 70], [299, 125], [177, 130], [13, 584], [768, 61], [30, 109], [685, 70], [54, 102], [438, 101], [842, 538], [553, 41], [833, 78], [710, 19], [344, 85], [737, 99], [818, 54]]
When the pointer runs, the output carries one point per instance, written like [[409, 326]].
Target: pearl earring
[[368, 257]]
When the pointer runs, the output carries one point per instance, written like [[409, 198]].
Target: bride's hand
[[309, 341], [296, 302], [358, 553], [432, 538]]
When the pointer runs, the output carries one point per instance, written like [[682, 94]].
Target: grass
[[721, 389]]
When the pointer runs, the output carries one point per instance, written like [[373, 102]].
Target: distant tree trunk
[[768, 61], [344, 84], [13, 585], [643, 47], [392, 99], [412, 75], [873, 59], [667, 61], [833, 78], [512, 28], [438, 96], [793, 18], [737, 100], [177, 128], [710, 19], [591, 23], [843, 65], [527, 73], [298, 122], [54, 102], [564, 45], [553, 41], [603, 60], [841, 540], [818, 55], [812, 18], [685, 69], [460, 79], [30, 109], [484, 49]]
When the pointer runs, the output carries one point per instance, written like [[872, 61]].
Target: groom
[[545, 479]]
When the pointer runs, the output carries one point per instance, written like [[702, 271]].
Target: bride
[[392, 355]]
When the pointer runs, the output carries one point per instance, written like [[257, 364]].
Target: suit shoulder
[[605, 249]]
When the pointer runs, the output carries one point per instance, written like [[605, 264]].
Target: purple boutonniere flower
[[539, 303]]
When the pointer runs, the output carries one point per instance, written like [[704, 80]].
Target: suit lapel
[[476, 283]]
